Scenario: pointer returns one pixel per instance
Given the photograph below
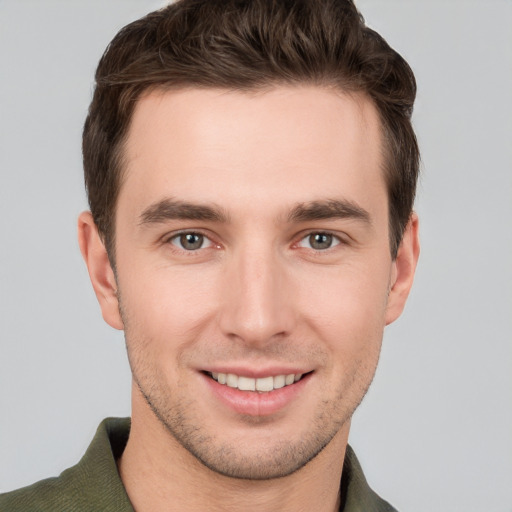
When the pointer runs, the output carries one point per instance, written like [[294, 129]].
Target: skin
[[259, 295]]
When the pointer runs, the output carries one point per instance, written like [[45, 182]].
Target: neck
[[159, 474]]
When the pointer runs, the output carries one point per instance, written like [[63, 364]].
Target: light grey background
[[435, 432]]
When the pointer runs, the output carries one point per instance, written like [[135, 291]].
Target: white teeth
[[246, 384], [232, 380], [279, 381], [263, 384]]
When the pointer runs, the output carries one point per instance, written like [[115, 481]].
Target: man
[[251, 170]]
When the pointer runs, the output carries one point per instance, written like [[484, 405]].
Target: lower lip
[[253, 403]]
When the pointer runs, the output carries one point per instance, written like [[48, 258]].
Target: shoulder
[[356, 494], [52, 494], [92, 484]]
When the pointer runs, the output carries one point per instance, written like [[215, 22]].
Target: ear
[[100, 271], [404, 266]]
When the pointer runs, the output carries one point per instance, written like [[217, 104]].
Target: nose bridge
[[257, 306]]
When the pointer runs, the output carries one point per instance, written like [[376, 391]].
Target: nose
[[257, 305]]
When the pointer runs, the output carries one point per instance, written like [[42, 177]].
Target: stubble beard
[[275, 458]]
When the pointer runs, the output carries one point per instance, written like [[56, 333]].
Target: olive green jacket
[[94, 485]]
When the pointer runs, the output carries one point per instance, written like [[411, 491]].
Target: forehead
[[266, 148]]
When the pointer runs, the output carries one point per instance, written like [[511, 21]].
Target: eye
[[319, 241], [190, 241]]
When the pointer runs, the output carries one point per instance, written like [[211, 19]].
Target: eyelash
[[334, 239], [178, 236]]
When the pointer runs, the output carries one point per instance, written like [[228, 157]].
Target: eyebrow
[[171, 209], [328, 209]]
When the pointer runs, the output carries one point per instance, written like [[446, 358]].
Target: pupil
[[191, 241], [320, 241]]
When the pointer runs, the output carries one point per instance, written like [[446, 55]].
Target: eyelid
[[205, 241], [336, 236], [169, 237]]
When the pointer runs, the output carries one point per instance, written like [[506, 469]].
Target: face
[[254, 273]]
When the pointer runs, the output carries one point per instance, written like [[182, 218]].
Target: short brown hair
[[245, 45]]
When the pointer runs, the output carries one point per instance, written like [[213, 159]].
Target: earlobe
[[100, 271], [403, 270]]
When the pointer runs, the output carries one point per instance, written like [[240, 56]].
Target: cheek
[[347, 307], [166, 304]]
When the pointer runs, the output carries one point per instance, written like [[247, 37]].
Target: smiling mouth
[[261, 385]]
